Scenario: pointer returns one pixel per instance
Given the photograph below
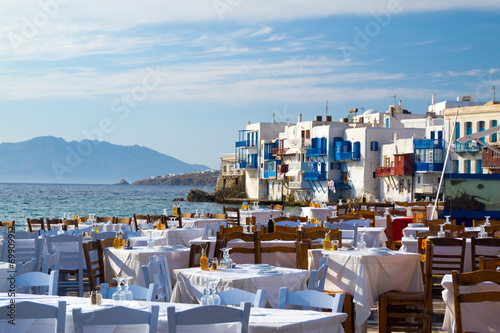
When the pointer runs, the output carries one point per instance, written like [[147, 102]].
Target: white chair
[[317, 278], [71, 260], [210, 314], [236, 296], [38, 279], [51, 262], [31, 310], [103, 235], [26, 267], [27, 246], [158, 269], [79, 231], [210, 229], [117, 315], [53, 232], [145, 226], [361, 223], [140, 293], [344, 226], [311, 298], [131, 234]]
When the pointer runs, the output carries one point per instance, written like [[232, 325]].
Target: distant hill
[[205, 178], [53, 160]]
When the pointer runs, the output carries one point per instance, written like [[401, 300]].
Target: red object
[[398, 224]]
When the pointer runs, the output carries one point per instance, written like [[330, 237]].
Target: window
[[468, 128], [418, 180], [455, 166], [467, 166], [481, 126], [308, 134], [457, 131], [493, 137], [374, 146], [479, 166]]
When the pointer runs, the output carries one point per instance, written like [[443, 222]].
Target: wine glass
[[334, 213], [361, 242], [206, 294], [202, 213], [117, 295], [214, 298], [386, 211], [150, 242], [441, 233], [226, 262], [447, 219], [487, 222], [165, 212], [172, 223], [127, 294]]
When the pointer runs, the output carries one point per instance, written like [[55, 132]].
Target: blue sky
[[182, 79]]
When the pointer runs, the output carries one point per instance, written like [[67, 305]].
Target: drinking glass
[[126, 292], [361, 242], [487, 222], [202, 213], [214, 298], [226, 262], [197, 214], [447, 219], [206, 294], [150, 242], [117, 295]]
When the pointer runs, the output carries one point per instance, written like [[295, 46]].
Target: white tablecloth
[[368, 275], [261, 320], [276, 259], [191, 282], [319, 213], [176, 236], [125, 262], [374, 236], [476, 317], [143, 240], [199, 223], [262, 216]]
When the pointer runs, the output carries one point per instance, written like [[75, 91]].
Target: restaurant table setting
[[128, 262], [199, 222], [479, 317], [191, 282], [368, 274], [262, 216], [179, 236], [320, 213], [143, 240], [262, 320]]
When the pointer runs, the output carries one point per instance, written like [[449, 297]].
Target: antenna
[[394, 99], [494, 93], [327, 107], [274, 116]]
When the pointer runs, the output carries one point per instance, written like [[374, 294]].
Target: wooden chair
[[354, 207], [195, 253], [123, 220], [493, 230], [226, 230], [297, 218], [453, 229], [305, 235], [35, 222], [489, 263], [233, 215], [7, 224], [66, 223], [283, 218], [277, 207], [157, 270], [485, 247], [343, 208], [187, 215], [50, 222], [367, 215], [105, 219], [209, 314], [254, 238], [401, 203], [396, 212], [283, 228], [117, 315], [166, 219], [434, 222], [408, 311], [94, 260], [471, 279], [346, 217], [251, 221], [219, 216], [219, 244], [139, 217], [37, 310], [155, 218], [479, 223], [280, 248], [418, 217]]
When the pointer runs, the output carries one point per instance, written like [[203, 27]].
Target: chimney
[[328, 118], [433, 98], [318, 118], [300, 118]]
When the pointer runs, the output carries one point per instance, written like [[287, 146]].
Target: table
[[199, 223], [180, 236], [124, 262], [262, 216], [368, 275], [477, 317], [261, 320], [143, 240], [322, 214], [191, 282], [275, 259]]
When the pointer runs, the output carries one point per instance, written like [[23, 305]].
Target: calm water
[[21, 201]]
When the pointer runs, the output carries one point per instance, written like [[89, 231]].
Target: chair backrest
[[317, 277], [39, 223], [286, 223], [284, 227], [253, 237], [471, 279], [486, 247], [278, 235], [448, 255], [68, 223], [25, 267], [437, 222], [123, 220], [28, 246], [39, 279], [166, 220], [236, 296], [51, 262], [158, 269], [50, 222], [478, 223], [277, 207], [210, 314], [139, 292], [489, 263], [453, 229], [187, 215], [103, 235], [72, 255], [105, 219], [397, 212], [210, 229], [219, 244], [361, 223], [493, 230], [219, 216], [311, 299], [32, 310], [195, 253], [94, 260], [367, 215], [117, 315], [140, 218], [346, 227], [233, 215]]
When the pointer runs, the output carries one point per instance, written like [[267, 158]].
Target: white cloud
[[264, 31]]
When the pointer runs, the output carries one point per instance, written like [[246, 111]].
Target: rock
[[122, 182], [178, 199], [196, 195]]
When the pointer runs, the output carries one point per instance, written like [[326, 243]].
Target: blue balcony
[[468, 147], [241, 144], [428, 143], [270, 174], [341, 185], [314, 175], [240, 165], [346, 151], [269, 156], [315, 152], [437, 167]]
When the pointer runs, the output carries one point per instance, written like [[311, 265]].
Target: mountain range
[[49, 159]]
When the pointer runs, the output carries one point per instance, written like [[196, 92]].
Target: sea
[[21, 201]]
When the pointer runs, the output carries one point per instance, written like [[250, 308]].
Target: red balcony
[[279, 151], [384, 172], [491, 159]]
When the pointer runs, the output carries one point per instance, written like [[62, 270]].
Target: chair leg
[[348, 308], [382, 314]]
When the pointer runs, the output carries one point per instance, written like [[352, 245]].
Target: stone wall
[[230, 187]]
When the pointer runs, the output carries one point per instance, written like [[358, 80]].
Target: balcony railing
[[298, 185], [384, 172], [298, 166], [314, 175], [270, 174], [241, 144], [313, 152], [279, 151], [468, 147], [438, 167], [268, 156]]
